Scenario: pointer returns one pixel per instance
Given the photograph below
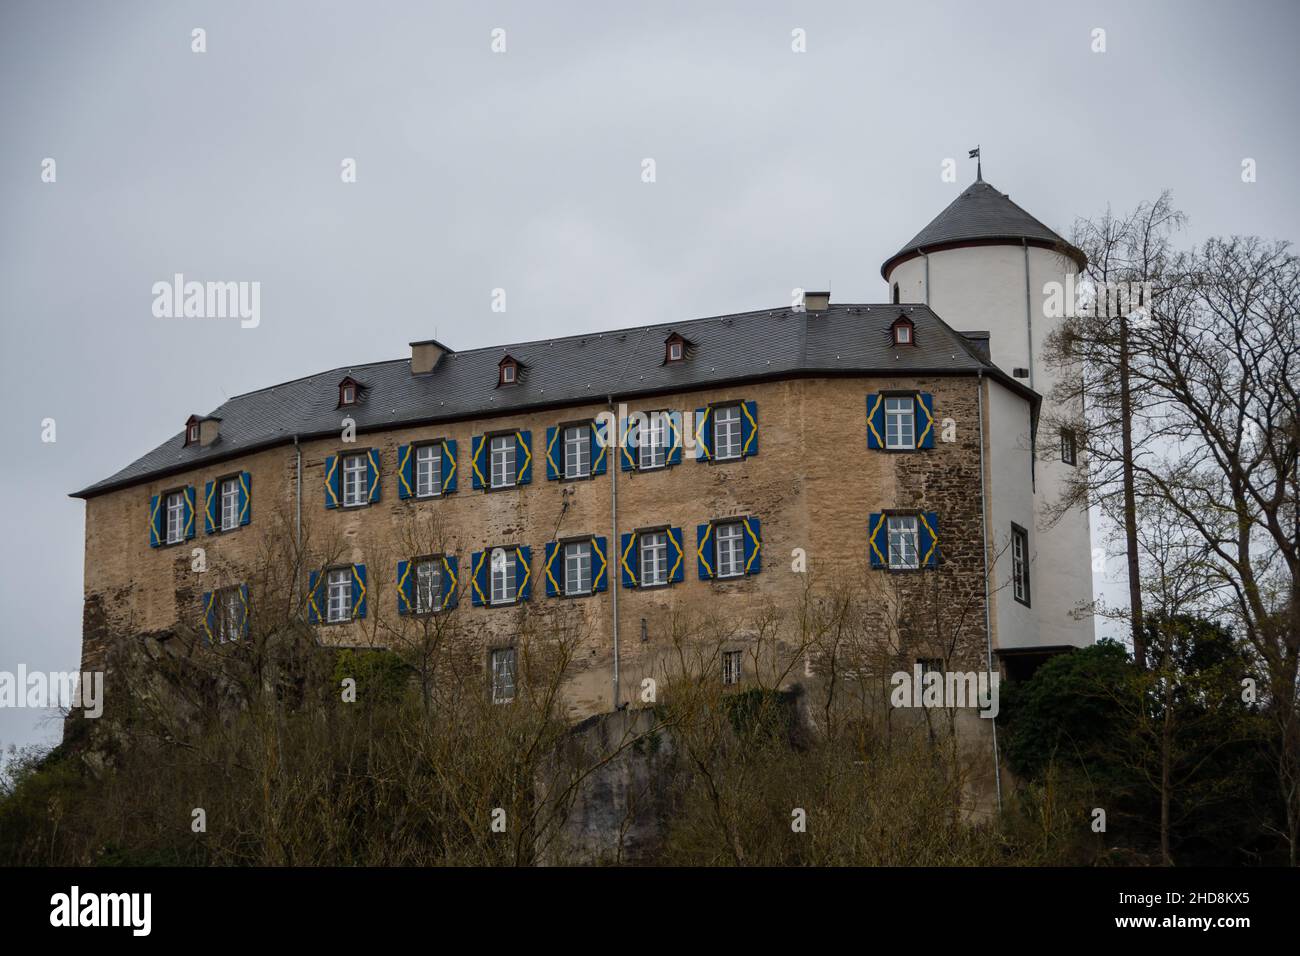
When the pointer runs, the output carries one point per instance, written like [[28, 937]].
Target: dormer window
[[349, 391], [675, 348], [902, 330], [508, 371], [192, 434]]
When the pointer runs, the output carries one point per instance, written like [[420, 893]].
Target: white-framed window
[[652, 441], [904, 542], [1069, 450], [428, 471], [731, 665], [229, 504], [507, 374], [502, 663], [726, 432], [428, 585], [349, 395], [674, 351], [654, 558], [902, 334], [503, 461], [175, 517], [900, 421], [504, 566], [577, 451], [730, 549], [577, 567], [340, 595], [229, 615], [1020, 564], [193, 435], [356, 480]]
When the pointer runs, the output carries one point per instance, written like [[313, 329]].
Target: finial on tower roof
[[979, 172]]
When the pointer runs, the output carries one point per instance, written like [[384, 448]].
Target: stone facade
[[812, 483]]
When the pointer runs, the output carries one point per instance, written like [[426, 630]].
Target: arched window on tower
[[896, 300]]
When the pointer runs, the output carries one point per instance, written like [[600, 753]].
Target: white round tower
[[985, 264]]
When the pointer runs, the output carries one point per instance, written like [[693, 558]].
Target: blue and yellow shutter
[[155, 522], [331, 481], [476, 461], [405, 587], [877, 540], [372, 474], [599, 446], [450, 581], [627, 458], [875, 421], [629, 559], [479, 578], [358, 591], [928, 539], [550, 552], [599, 565], [524, 555], [753, 542], [704, 551], [924, 420], [448, 465], [703, 435], [187, 511], [314, 597], [523, 457], [748, 429], [675, 562], [209, 618], [245, 498], [405, 473], [244, 615], [553, 472], [209, 509], [675, 447]]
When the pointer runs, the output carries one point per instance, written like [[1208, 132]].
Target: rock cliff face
[[166, 685], [619, 808]]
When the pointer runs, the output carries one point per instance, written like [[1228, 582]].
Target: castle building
[[884, 445]]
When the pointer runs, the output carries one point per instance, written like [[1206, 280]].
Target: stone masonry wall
[[812, 484]]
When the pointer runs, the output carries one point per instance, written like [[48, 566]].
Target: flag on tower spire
[[979, 172]]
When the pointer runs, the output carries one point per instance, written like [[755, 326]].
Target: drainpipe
[[613, 467], [988, 624], [1029, 315], [297, 471], [926, 257]]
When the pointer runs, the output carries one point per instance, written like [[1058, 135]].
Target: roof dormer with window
[[903, 331], [676, 348], [509, 371], [349, 391]]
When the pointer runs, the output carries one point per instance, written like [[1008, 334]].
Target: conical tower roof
[[982, 215]]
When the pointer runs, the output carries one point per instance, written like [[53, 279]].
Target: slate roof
[[980, 214], [577, 369]]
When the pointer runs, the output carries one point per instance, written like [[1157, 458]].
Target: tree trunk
[[1130, 500]]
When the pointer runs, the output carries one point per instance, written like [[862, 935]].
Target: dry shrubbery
[[423, 769]]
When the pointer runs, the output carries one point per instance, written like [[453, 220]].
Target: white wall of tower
[[984, 288]]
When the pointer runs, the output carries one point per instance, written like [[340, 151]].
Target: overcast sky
[[522, 170]]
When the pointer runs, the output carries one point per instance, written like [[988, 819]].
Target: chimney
[[426, 355], [202, 430], [816, 301], [208, 429]]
